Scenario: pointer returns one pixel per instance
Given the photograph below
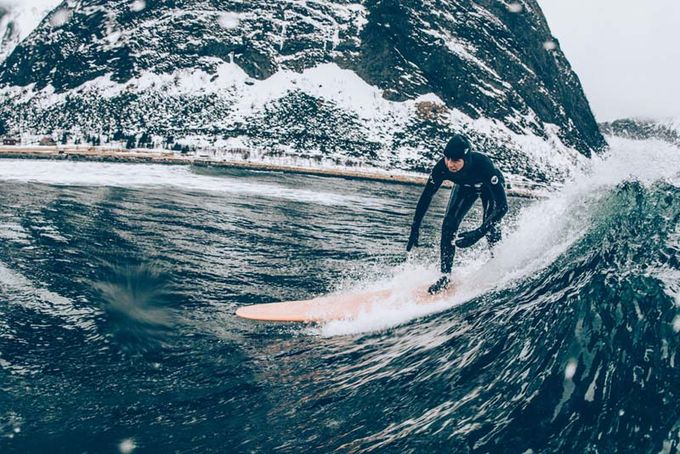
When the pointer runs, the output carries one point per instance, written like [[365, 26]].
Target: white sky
[[626, 53]]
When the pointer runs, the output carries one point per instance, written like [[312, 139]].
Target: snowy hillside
[[379, 82]]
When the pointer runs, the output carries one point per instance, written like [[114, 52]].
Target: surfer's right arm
[[433, 183]]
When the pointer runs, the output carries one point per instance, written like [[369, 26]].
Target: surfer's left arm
[[499, 208], [500, 205]]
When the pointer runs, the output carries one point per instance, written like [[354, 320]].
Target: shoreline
[[173, 158]]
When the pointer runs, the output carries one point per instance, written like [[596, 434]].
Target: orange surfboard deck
[[347, 306]]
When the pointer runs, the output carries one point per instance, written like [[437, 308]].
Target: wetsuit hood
[[457, 148]]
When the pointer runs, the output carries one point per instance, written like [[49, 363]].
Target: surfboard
[[343, 306]]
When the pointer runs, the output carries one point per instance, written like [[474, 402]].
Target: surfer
[[475, 176]]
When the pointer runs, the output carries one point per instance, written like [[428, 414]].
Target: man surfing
[[474, 176]]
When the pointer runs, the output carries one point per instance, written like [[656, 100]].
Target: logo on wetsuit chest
[[494, 179]]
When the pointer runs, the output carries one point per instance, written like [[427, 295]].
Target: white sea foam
[[540, 234], [75, 173]]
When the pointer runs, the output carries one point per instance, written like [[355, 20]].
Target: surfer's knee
[[449, 229]]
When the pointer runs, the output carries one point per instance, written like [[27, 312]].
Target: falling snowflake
[[676, 324], [127, 446], [114, 37], [550, 45], [515, 7], [137, 5], [228, 20], [570, 370], [60, 17]]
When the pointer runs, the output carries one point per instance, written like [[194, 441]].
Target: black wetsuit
[[478, 178]]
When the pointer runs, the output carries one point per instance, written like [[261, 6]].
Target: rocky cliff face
[[667, 130], [383, 82]]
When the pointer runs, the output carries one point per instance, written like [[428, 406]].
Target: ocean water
[[119, 283]]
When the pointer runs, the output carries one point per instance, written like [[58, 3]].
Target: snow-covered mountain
[[18, 18], [379, 81], [667, 130]]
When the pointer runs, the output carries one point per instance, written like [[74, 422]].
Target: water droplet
[[550, 45], [127, 446], [137, 5], [60, 17], [114, 37], [570, 370], [228, 20], [515, 7]]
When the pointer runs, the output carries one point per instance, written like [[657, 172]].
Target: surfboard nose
[[247, 312], [294, 311]]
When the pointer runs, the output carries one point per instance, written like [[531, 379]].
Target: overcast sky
[[626, 53]]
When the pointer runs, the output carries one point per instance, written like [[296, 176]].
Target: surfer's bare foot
[[439, 286]]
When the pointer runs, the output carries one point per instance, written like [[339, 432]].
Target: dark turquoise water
[[118, 286]]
